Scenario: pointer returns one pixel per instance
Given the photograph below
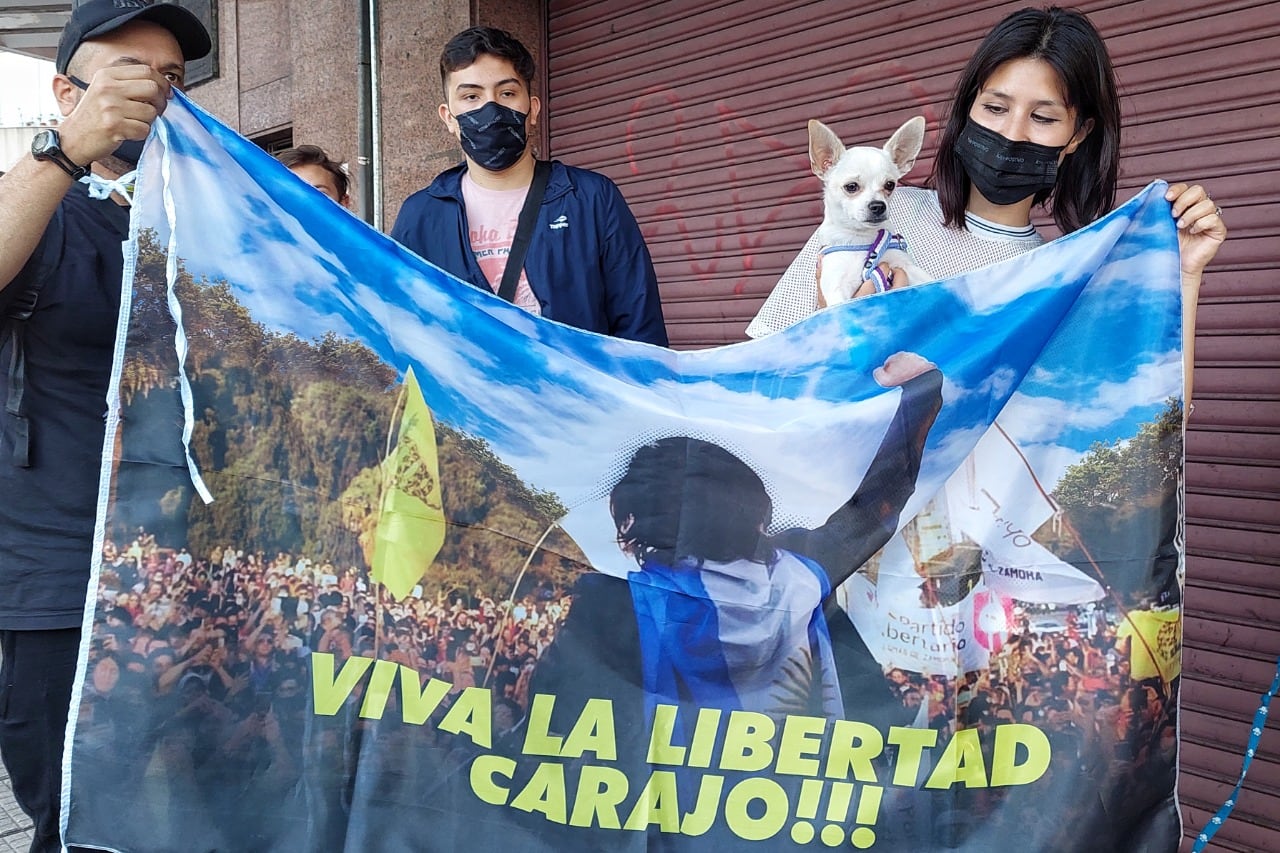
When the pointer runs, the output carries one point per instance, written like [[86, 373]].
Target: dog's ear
[[905, 144], [825, 148]]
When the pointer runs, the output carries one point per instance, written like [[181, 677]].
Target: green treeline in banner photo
[[291, 435]]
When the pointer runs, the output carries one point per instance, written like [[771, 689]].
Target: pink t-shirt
[[491, 217]]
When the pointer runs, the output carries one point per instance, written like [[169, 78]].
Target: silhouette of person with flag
[[718, 613]]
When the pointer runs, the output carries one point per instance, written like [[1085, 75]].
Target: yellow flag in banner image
[[411, 523], [1154, 642]]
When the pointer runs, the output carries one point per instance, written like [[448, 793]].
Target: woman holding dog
[[1040, 91]]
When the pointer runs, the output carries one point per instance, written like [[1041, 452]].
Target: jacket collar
[[448, 184]]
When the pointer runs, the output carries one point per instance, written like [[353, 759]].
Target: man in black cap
[[61, 266]]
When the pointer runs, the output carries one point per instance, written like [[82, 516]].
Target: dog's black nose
[[877, 208]]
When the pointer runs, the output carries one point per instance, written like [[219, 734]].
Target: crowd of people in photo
[[243, 625], [1074, 680], [199, 666], [198, 686], [228, 636], [1091, 686]]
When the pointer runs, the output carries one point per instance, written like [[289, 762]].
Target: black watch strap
[[76, 172]]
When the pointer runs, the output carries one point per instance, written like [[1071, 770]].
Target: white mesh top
[[916, 214]]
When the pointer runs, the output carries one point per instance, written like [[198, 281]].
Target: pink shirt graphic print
[[491, 220]]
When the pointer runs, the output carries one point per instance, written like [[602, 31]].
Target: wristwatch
[[47, 146]]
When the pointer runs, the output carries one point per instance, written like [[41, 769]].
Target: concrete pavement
[[15, 827]]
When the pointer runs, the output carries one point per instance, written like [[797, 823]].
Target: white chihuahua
[[855, 231]]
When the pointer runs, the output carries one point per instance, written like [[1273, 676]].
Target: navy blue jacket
[[587, 262]]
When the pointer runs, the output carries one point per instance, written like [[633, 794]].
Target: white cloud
[[1039, 420], [1050, 462]]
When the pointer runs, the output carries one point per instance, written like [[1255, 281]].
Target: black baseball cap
[[96, 18]]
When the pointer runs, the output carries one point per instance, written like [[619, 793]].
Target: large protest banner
[[388, 564]]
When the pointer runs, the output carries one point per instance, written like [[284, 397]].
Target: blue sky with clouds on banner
[[1075, 364]]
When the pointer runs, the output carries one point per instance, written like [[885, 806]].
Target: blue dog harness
[[883, 242]]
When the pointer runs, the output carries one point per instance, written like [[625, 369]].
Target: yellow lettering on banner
[[854, 746], [776, 809], [705, 809], [417, 702], [661, 749], [801, 737], [483, 769], [913, 743], [379, 689], [961, 762], [330, 689], [537, 739], [601, 791], [471, 715], [544, 793], [658, 804], [753, 809], [1005, 769], [593, 732], [702, 749], [746, 742]]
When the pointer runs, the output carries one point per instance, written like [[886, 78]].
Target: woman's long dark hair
[[1068, 42], [687, 499]]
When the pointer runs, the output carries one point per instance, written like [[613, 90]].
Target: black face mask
[[1006, 172], [493, 136], [130, 151]]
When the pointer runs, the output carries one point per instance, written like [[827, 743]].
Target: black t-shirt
[[48, 510]]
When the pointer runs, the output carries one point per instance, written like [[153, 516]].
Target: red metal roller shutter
[[1201, 93], [698, 111]]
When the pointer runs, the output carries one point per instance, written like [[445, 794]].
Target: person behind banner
[[314, 166], [64, 213], [719, 614], [587, 264], [1039, 91]]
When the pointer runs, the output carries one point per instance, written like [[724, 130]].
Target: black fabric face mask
[[493, 136], [1004, 171], [130, 151]]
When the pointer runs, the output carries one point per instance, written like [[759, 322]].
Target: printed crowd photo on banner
[[386, 563]]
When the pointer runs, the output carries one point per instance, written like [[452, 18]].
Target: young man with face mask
[[64, 213], [587, 264]]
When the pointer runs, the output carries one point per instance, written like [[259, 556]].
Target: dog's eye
[[889, 186], [852, 188]]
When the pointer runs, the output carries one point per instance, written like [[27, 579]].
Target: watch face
[[44, 143]]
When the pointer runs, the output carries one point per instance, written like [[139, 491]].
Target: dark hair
[[686, 498], [314, 155], [469, 45], [1068, 42]]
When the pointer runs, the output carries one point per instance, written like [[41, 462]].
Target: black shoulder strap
[[524, 230], [16, 313], [13, 407]]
